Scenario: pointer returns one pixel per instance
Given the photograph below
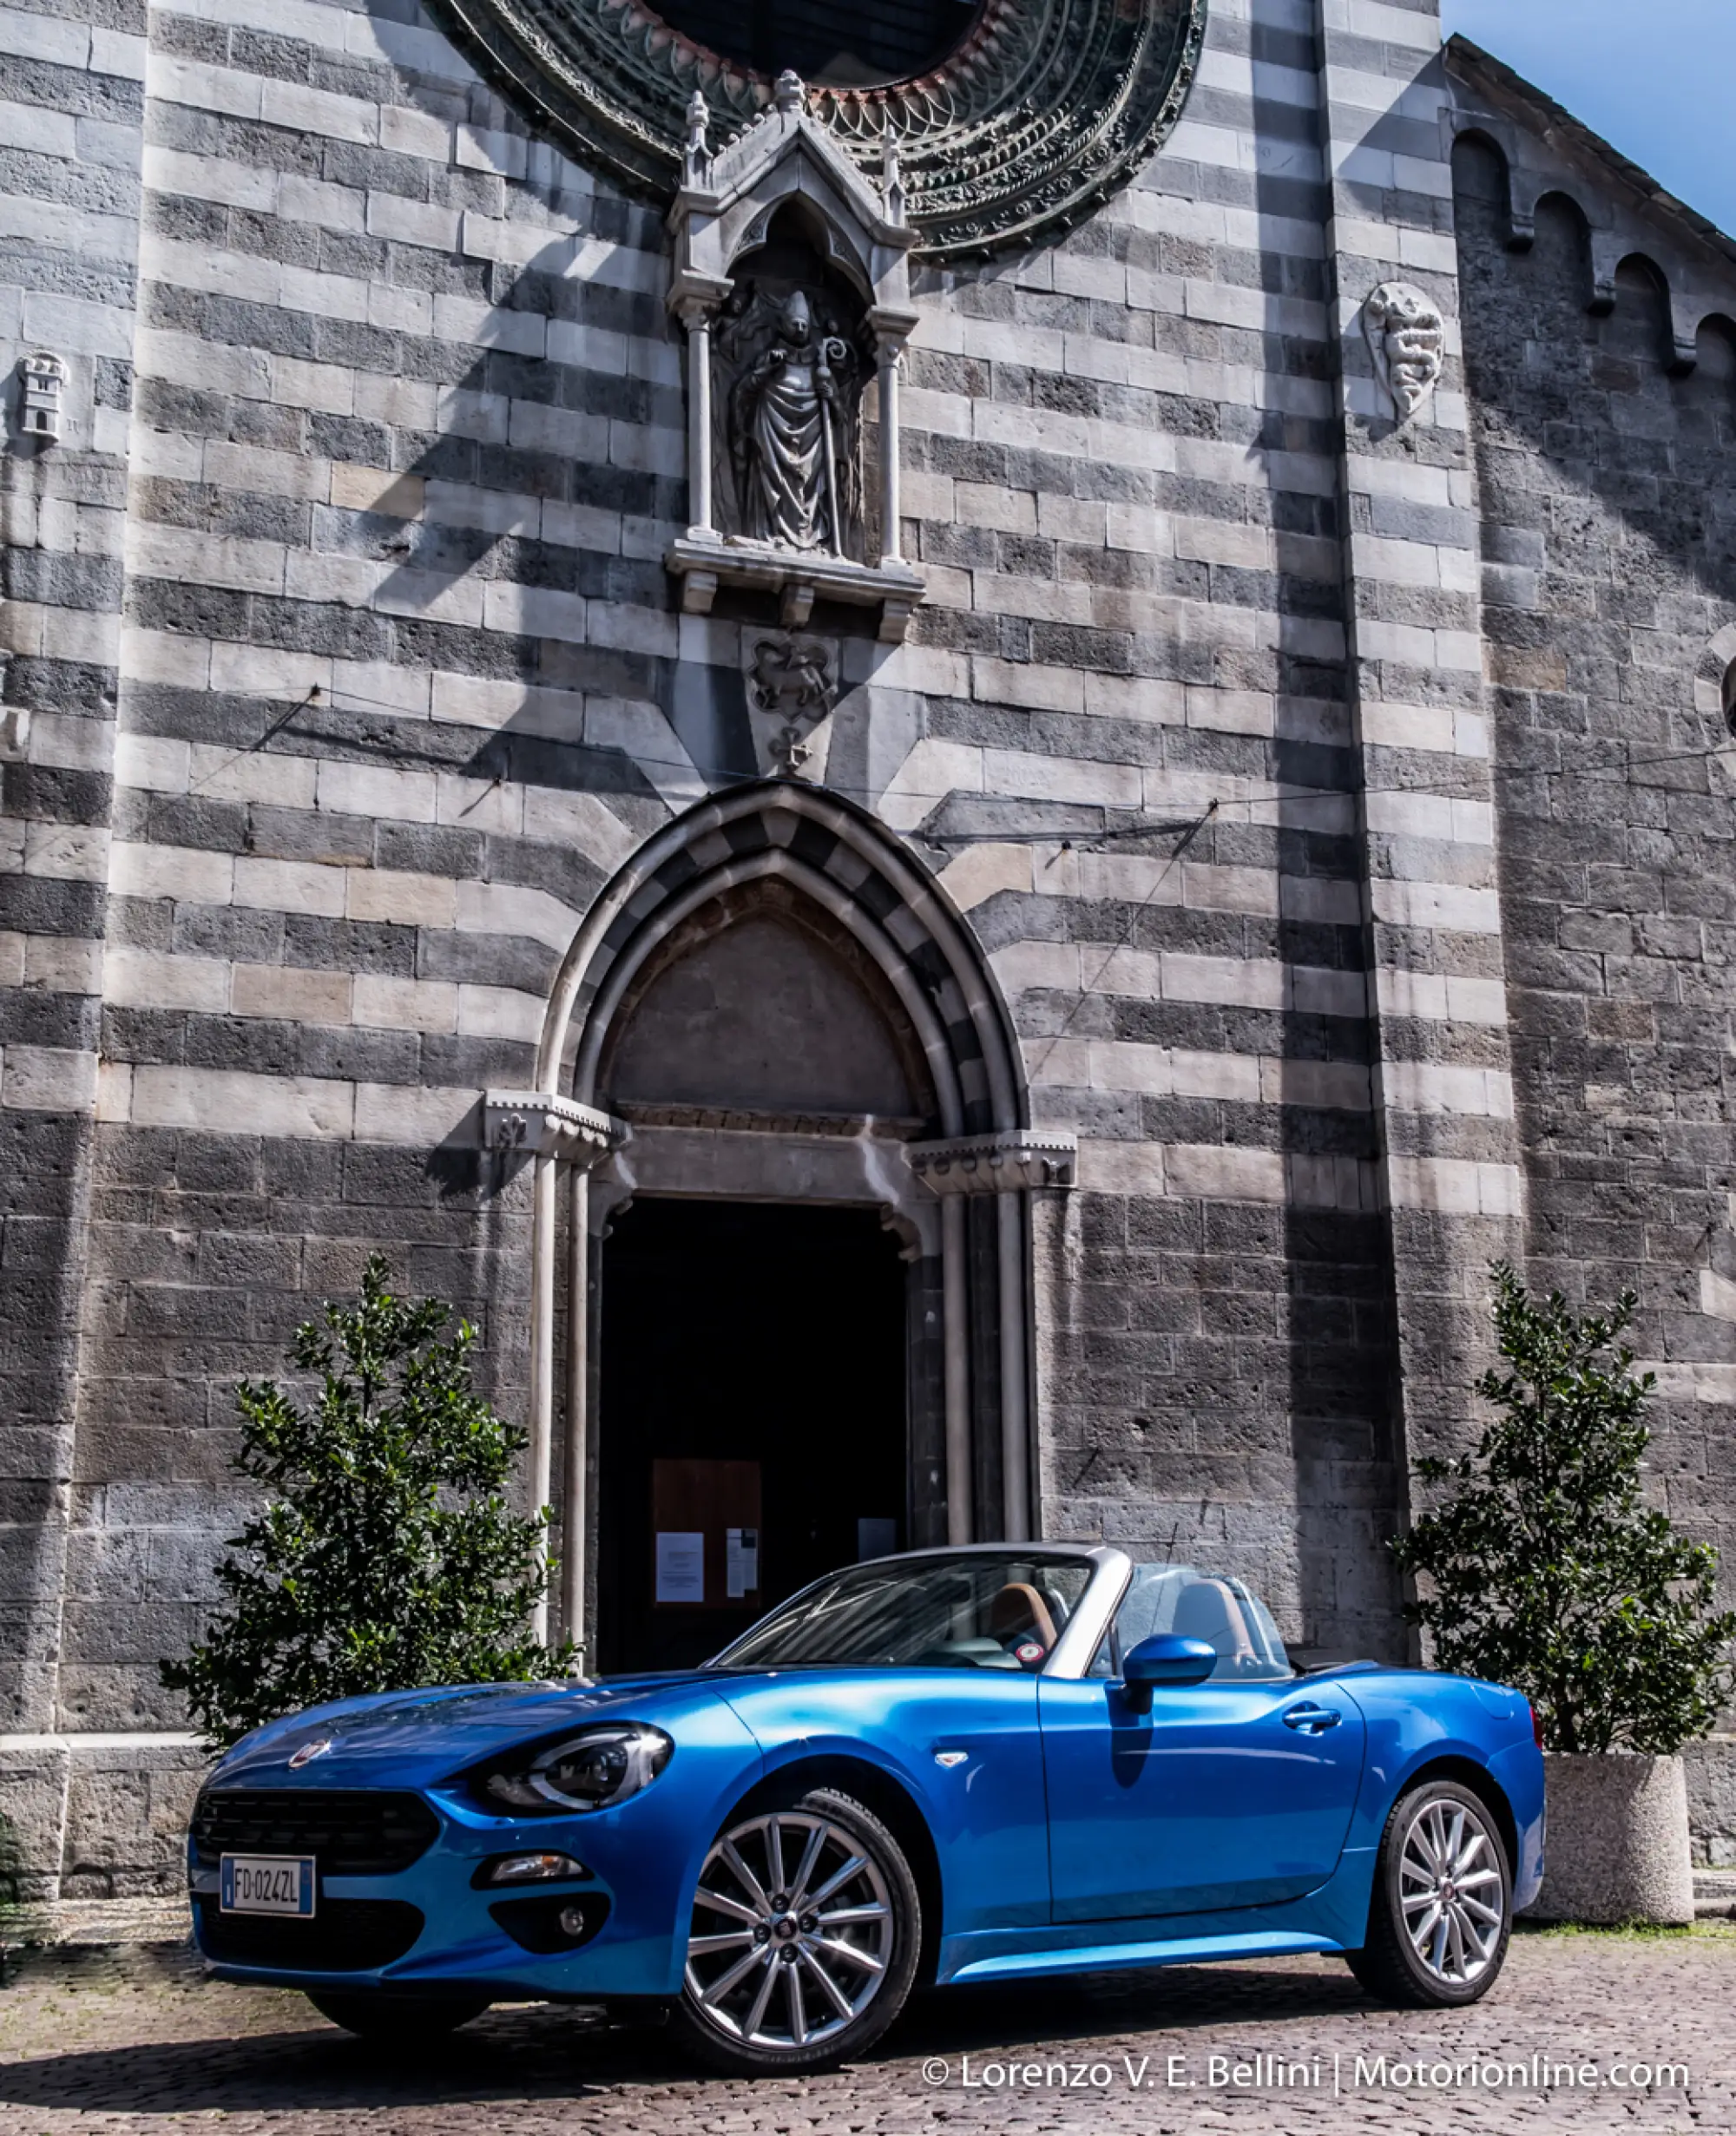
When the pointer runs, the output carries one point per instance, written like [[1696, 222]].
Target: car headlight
[[594, 1771]]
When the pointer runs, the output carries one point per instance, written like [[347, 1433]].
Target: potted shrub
[[386, 1557], [1544, 1567]]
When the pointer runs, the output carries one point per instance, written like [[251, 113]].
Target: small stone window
[[1730, 696], [830, 45]]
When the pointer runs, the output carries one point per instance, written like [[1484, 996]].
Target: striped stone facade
[[1285, 766]]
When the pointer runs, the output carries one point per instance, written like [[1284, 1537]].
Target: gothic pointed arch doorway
[[774, 1049]]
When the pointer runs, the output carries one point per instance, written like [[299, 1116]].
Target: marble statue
[[791, 433]]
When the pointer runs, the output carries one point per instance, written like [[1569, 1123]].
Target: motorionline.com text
[[1336, 2072]]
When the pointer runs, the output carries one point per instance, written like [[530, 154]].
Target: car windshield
[[977, 1610], [1214, 1606]]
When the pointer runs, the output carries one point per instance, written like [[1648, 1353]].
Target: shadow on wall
[[1335, 1243], [516, 549], [1609, 544]]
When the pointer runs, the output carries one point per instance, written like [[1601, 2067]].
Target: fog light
[[551, 1925], [530, 1869]]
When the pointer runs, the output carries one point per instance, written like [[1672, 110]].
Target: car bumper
[[1519, 1772], [428, 1930], [433, 1928]]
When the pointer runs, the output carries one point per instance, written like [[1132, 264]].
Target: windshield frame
[[1072, 1653]]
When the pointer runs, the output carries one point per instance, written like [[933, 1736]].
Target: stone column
[[1015, 1450], [541, 1352], [695, 314], [574, 1511], [956, 1335], [890, 351], [551, 1131], [1007, 1165]]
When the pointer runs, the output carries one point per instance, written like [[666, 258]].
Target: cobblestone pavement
[[129, 2039]]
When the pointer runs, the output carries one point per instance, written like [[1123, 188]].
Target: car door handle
[[1313, 1721]]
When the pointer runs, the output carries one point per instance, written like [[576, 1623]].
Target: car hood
[[415, 1738]]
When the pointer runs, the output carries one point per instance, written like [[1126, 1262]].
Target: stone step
[[1714, 1894], [100, 1921]]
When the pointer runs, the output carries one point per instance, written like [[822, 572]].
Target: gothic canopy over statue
[[1039, 112]]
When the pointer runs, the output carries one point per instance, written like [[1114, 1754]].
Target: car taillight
[[1537, 1727]]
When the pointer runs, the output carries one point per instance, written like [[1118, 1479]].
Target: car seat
[[1018, 1607], [1205, 1609]]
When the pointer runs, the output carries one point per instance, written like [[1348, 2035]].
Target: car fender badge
[[305, 1753], [949, 1759]]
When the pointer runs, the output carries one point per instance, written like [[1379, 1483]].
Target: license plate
[[267, 1884]]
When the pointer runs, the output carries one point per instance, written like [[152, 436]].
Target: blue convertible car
[[967, 1765]]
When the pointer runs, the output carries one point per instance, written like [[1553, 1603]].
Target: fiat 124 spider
[[967, 1765]]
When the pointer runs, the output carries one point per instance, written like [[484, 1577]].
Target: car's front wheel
[[1442, 1910], [803, 1940], [398, 2019]]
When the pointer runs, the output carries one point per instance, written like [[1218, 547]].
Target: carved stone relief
[[1042, 110], [41, 395], [793, 684], [1407, 338]]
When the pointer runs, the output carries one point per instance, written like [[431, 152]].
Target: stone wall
[[69, 147], [1609, 545]]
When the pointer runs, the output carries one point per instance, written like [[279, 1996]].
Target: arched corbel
[[1685, 322], [1608, 250]]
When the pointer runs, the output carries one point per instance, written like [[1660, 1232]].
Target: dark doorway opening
[[752, 1417]]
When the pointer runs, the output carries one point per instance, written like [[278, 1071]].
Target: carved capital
[[539, 1123], [891, 326], [693, 297], [996, 1164]]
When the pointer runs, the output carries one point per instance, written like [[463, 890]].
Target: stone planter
[[1616, 1847]]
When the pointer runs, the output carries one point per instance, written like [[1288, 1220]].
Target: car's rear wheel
[[1442, 1909], [803, 1940], [397, 2019]]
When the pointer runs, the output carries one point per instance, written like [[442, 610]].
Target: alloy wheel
[[791, 1932], [1450, 1891]]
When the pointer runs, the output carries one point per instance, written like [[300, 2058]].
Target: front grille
[[346, 1935], [350, 1831]]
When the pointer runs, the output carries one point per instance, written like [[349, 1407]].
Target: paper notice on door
[[680, 1565], [741, 1561]]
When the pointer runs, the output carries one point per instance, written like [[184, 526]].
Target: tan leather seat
[[1018, 1607]]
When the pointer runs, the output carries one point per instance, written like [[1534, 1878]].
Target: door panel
[[1210, 1800]]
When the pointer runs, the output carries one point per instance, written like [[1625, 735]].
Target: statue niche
[[791, 282], [789, 376]]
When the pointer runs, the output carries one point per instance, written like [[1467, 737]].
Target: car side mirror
[[1163, 1658]]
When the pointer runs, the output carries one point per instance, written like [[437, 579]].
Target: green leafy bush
[[386, 1557], [1545, 1567]]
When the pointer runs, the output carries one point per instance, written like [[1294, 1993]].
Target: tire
[[746, 2009], [1441, 1912], [398, 2019]]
